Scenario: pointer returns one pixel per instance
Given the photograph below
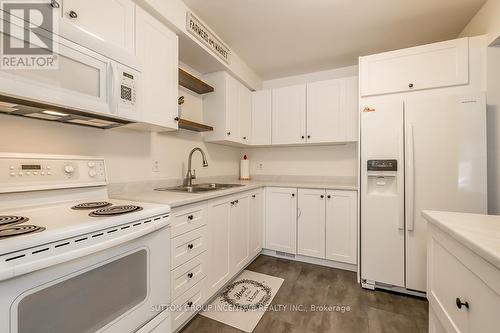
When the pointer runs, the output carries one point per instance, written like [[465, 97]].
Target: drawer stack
[[189, 261]]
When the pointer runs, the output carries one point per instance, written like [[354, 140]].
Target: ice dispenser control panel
[[382, 165]]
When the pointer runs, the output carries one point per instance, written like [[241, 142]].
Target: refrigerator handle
[[410, 189]]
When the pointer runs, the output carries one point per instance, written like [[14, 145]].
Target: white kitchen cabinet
[[341, 225], [227, 109], [239, 236], [256, 222], [157, 50], [261, 117], [219, 219], [332, 111], [281, 219], [429, 66], [311, 223], [289, 115], [111, 21]]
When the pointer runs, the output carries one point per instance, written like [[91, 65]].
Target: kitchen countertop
[[145, 191], [479, 233]]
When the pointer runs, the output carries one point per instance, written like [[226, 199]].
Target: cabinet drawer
[[187, 275], [188, 218], [450, 279], [189, 245], [186, 305]]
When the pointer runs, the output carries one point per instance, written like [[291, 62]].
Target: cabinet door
[[311, 223], [111, 21], [219, 215], [256, 221], [261, 117], [289, 115], [423, 67], [341, 226], [245, 114], [239, 234], [281, 219], [232, 109], [157, 49]]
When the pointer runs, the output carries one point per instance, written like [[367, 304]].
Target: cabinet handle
[[308, 136], [236, 201], [459, 303], [303, 137], [410, 85], [189, 304], [190, 275], [73, 14], [190, 246], [244, 138], [322, 196], [176, 118], [228, 133], [54, 4], [253, 196], [293, 194], [329, 196], [190, 217]]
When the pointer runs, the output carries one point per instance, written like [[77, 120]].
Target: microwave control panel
[[128, 88]]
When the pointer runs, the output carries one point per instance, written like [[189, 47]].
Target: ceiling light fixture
[[55, 113]]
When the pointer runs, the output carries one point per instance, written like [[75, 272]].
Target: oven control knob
[[92, 173], [69, 169]]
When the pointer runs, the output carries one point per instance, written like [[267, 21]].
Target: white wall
[[487, 21], [331, 160], [129, 154]]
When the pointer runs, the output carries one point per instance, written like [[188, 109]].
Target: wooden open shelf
[[192, 83], [193, 126]]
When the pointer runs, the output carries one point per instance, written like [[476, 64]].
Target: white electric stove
[[71, 258]]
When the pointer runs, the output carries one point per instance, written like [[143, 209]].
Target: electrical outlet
[[260, 166], [156, 166]]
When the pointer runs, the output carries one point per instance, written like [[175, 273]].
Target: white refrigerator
[[416, 154]]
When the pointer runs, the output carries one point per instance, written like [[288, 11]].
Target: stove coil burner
[[115, 210], [18, 230], [12, 220], [91, 205]]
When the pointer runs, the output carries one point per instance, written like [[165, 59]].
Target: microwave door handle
[[410, 190], [112, 86]]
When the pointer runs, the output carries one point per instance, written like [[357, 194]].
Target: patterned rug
[[244, 301]]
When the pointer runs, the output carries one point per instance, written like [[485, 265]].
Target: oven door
[[118, 290]]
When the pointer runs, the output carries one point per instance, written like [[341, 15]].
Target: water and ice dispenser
[[382, 177]]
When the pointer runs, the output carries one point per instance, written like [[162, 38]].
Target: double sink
[[199, 188]]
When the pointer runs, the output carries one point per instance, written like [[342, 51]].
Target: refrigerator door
[[382, 193], [445, 168]]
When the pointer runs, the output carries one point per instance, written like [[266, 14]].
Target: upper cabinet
[[261, 117], [157, 50], [332, 111], [289, 115], [228, 109], [423, 67]]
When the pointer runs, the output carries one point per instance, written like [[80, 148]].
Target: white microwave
[[83, 83]]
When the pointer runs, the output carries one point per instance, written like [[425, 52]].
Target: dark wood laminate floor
[[306, 284]]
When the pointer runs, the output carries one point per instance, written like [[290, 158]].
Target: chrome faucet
[[192, 174]]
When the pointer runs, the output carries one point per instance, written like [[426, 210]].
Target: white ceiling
[[286, 37]]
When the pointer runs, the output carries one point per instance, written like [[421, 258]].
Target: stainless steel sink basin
[[199, 188]]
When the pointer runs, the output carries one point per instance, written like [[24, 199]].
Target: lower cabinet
[[256, 222], [316, 223], [239, 253], [281, 219]]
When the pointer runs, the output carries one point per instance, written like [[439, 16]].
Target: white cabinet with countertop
[[311, 223], [463, 276], [281, 219], [239, 233], [256, 222], [157, 50]]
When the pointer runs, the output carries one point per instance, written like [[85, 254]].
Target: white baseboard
[[311, 260]]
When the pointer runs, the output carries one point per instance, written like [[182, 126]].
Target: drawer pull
[[190, 275], [190, 217], [190, 246], [459, 303], [189, 304]]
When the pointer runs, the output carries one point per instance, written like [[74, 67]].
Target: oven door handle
[[13, 270], [154, 323]]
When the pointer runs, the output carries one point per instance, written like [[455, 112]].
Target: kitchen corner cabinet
[[341, 225], [429, 66], [227, 109], [289, 115], [332, 111], [311, 223], [157, 50], [261, 118], [281, 219]]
